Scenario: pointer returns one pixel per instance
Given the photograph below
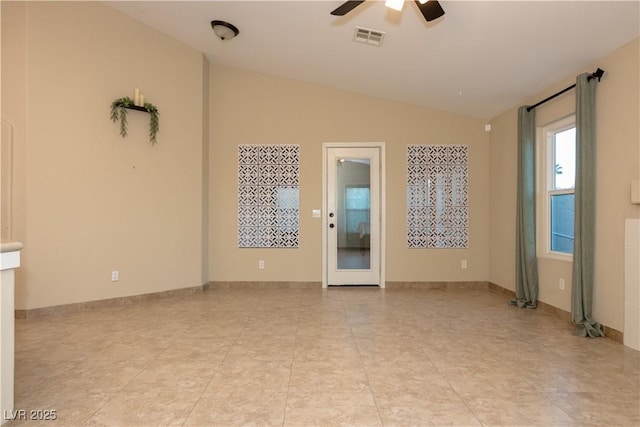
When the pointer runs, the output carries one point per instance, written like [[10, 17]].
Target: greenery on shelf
[[119, 113]]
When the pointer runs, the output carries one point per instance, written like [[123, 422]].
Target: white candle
[[141, 100], [136, 96]]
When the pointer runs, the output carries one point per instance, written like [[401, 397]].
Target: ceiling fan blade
[[430, 10], [346, 7]]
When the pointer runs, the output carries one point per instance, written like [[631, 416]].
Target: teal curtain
[[584, 243], [526, 262]]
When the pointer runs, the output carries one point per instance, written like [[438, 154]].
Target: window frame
[[545, 170]]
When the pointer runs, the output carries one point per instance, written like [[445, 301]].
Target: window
[[357, 202], [557, 173], [268, 196], [437, 196]]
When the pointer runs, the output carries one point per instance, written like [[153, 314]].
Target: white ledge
[[10, 255]]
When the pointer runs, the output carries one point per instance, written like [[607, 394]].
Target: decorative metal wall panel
[[268, 196], [437, 196]]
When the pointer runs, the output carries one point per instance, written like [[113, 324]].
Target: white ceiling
[[480, 59]]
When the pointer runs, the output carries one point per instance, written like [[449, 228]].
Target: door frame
[[383, 204]]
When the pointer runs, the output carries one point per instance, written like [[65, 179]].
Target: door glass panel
[[353, 214]]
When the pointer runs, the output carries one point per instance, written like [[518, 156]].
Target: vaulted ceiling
[[480, 59]]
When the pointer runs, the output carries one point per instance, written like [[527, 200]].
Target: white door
[[352, 215]]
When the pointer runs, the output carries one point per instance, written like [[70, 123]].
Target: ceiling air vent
[[368, 36]]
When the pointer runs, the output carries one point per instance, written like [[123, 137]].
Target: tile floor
[[349, 356]]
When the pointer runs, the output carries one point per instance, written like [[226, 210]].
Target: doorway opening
[[353, 206]]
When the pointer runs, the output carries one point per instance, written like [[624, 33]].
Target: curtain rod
[[595, 75]]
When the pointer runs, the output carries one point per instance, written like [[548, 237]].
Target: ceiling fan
[[430, 9]]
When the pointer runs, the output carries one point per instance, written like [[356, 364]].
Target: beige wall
[[14, 115], [250, 108], [86, 200], [618, 163]]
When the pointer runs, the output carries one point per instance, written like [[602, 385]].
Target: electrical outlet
[[261, 264], [463, 264], [115, 276], [561, 284]]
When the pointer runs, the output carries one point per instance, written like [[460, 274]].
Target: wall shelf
[[119, 109], [135, 107]]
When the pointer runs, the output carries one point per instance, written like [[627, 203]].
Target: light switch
[[316, 213]]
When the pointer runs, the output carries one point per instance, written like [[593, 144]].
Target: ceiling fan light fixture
[[394, 4], [224, 30]]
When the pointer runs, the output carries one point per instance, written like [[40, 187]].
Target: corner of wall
[[205, 171]]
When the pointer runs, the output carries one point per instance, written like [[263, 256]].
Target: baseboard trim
[[437, 285], [504, 291], [263, 285], [111, 302], [612, 334]]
